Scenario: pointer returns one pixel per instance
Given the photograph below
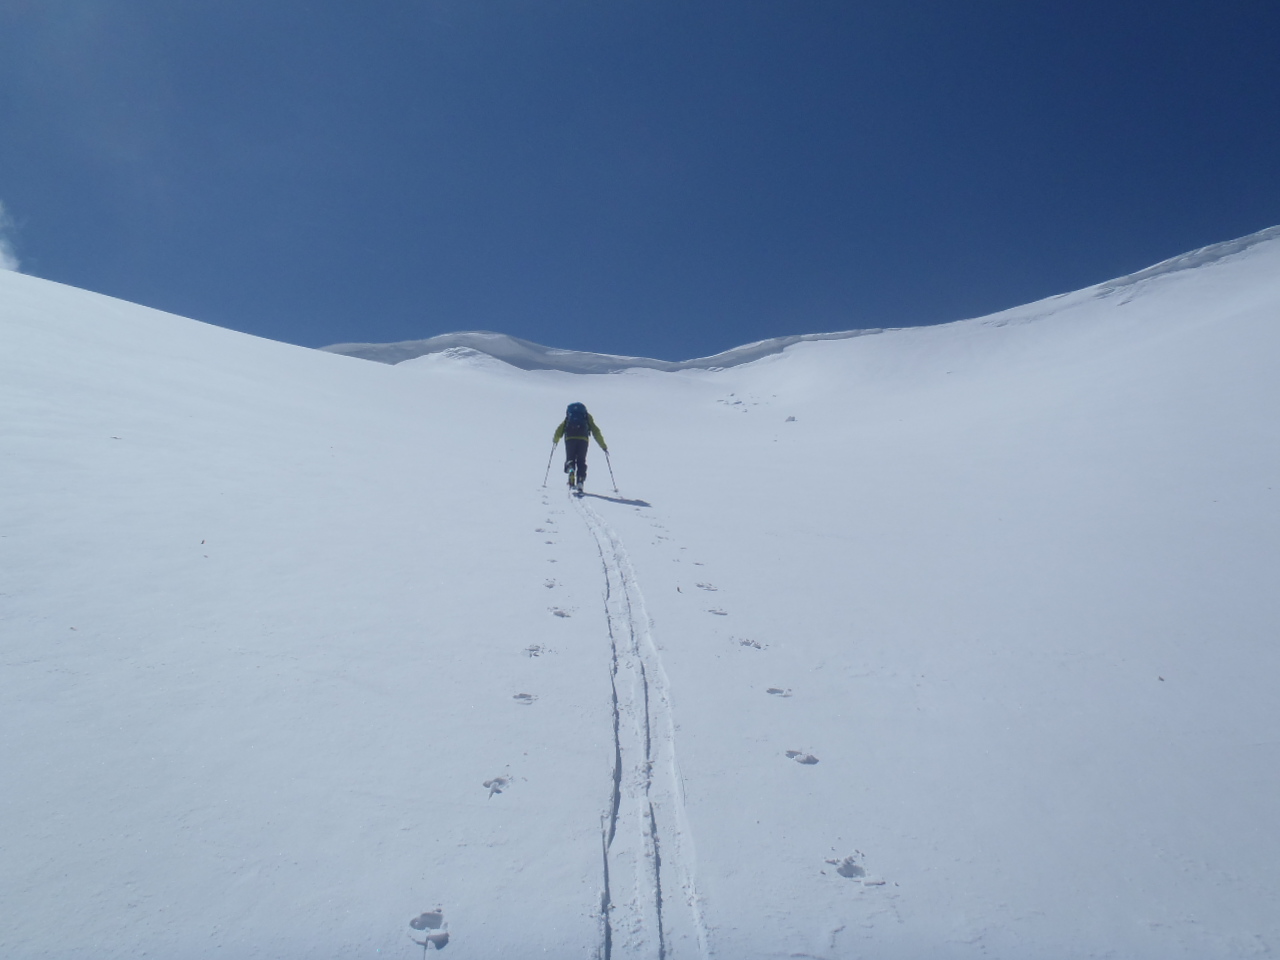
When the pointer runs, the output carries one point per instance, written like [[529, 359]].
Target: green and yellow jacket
[[595, 432]]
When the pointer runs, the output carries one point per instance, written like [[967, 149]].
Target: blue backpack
[[576, 421]]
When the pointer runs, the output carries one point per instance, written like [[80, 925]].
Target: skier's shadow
[[622, 500]]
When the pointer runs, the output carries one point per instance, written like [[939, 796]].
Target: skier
[[577, 428]]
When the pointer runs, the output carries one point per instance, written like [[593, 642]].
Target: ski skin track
[[646, 842]]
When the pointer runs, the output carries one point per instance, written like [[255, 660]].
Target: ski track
[[649, 902]]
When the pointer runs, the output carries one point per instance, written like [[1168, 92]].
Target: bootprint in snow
[[431, 920], [852, 868], [849, 867]]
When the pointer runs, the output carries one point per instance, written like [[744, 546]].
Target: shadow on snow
[[622, 500]]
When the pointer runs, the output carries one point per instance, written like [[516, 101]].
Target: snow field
[[972, 657]]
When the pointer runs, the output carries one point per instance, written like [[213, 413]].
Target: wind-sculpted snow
[[1213, 253], [532, 356], [963, 637]]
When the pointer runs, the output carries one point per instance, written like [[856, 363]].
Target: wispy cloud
[[8, 259]]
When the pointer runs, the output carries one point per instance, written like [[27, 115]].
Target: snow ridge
[[644, 831], [1189, 261], [527, 355]]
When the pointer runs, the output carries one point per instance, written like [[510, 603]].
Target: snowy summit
[[946, 642]]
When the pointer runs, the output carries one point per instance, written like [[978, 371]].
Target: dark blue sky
[[667, 178]]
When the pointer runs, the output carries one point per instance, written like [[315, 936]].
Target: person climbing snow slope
[[577, 428]]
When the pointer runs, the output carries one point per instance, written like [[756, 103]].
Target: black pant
[[575, 456]]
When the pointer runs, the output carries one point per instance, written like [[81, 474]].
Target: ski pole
[[554, 444], [610, 463]]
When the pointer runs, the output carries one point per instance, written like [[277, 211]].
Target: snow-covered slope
[[975, 656], [534, 356]]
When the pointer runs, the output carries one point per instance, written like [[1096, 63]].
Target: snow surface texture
[[947, 642]]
